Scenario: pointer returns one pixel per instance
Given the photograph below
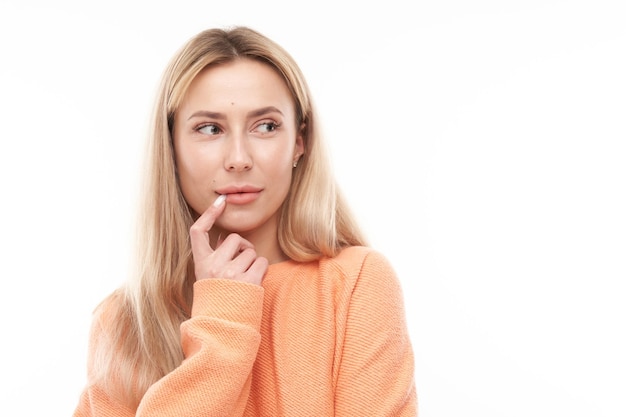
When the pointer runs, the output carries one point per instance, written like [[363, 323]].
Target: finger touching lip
[[240, 193]]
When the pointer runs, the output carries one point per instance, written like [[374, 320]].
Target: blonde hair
[[138, 325]]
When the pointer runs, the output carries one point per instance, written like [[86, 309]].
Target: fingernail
[[219, 200]]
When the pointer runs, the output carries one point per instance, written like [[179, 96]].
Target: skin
[[235, 134]]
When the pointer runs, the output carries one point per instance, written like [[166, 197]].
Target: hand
[[234, 258]]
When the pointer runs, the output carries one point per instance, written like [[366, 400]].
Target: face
[[235, 133]]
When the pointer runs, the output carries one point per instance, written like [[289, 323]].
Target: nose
[[237, 156]]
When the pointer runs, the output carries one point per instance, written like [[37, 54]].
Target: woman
[[254, 294]]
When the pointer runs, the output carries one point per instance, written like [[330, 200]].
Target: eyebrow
[[254, 113]]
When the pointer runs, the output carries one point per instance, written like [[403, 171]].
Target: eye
[[267, 127], [209, 129]]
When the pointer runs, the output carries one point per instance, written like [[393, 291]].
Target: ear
[[298, 150]]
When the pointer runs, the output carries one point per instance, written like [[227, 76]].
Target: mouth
[[240, 194]]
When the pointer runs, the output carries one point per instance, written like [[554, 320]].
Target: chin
[[246, 222], [238, 225]]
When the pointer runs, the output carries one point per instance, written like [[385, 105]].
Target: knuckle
[[195, 230], [233, 237], [229, 273], [249, 252]]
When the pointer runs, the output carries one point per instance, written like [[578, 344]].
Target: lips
[[243, 194]]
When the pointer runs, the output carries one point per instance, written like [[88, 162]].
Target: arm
[[376, 373], [220, 342]]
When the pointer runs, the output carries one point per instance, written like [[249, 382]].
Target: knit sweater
[[325, 338]]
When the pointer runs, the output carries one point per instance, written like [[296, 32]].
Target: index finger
[[199, 231]]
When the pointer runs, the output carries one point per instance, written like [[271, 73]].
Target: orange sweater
[[325, 338]]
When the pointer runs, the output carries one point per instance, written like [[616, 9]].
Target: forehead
[[242, 83]]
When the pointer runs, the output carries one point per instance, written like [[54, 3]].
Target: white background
[[481, 143]]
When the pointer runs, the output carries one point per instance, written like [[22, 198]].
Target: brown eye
[[267, 127], [209, 130]]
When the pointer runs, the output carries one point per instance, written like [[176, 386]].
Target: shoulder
[[356, 259], [366, 285], [112, 312], [358, 264]]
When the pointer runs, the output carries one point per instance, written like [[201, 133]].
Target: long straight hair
[[136, 338]]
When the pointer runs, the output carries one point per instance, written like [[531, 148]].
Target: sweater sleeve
[[220, 342], [376, 372]]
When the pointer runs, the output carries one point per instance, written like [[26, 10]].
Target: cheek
[[196, 173], [282, 174], [278, 164], [194, 162], [279, 153]]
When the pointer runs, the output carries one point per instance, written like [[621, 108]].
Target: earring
[[295, 163]]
